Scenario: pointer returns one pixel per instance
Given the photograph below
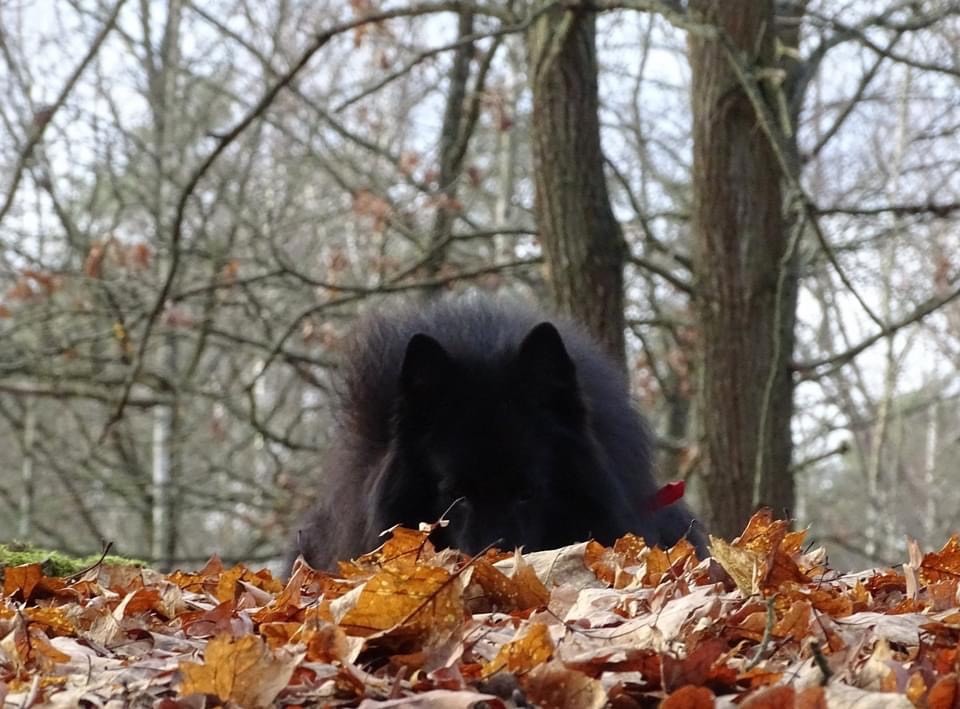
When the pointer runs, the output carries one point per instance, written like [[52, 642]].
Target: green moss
[[55, 563]]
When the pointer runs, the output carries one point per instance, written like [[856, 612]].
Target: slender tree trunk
[[930, 482], [452, 146], [581, 239], [28, 485], [744, 313], [162, 71], [162, 480]]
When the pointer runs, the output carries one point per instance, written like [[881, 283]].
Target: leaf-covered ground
[[762, 624]]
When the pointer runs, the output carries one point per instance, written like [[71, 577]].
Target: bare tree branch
[[40, 123]]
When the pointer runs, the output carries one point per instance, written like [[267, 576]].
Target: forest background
[[198, 198]]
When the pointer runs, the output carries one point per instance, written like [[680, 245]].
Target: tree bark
[[582, 242], [452, 147], [746, 278]]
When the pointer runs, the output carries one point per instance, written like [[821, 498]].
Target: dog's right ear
[[427, 372]]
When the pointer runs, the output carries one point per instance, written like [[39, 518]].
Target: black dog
[[526, 425]]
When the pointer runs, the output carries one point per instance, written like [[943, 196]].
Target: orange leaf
[[811, 698], [244, 671], [689, 697], [424, 601], [944, 694], [23, 578], [779, 697], [523, 654], [553, 685]]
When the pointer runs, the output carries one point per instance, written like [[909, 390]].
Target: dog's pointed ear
[[427, 372], [546, 368]]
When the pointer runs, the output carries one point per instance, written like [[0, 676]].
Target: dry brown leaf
[[523, 654], [941, 565], [795, 623], [780, 697], [811, 698], [944, 694], [744, 566], [531, 593], [689, 697], [22, 579], [553, 686], [763, 533], [877, 672], [698, 667], [426, 600], [244, 671]]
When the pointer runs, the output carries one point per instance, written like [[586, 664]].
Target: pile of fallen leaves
[[763, 623]]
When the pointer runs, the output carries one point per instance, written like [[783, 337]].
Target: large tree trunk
[[581, 239], [745, 285]]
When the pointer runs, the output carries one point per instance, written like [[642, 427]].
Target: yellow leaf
[[243, 671], [523, 654], [743, 565]]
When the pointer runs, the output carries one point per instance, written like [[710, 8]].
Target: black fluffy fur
[[520, 417]]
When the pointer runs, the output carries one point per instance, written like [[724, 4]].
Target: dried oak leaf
[[783, 569], [945, 694], [763, 533], [28, 648], [605, 563], [244, 671], [631, 549], [744, 566], [406, 548], [613, 565], [773, 541], [877, 673], [662, 562], [53, 618], [943, 565], [533, 648], [522, 590], [29, 581], [703, 665], [423, 601], [759, 677], [689, 697], [553, 686], [826, 599], [811, 698], [204, 580], [795, 623], [916, 688], [885, 583], [230, 585], [771, 698], [208, 623]]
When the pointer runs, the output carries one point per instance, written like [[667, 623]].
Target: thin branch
[[434, 51], [808, 369], [943, 210], [40, 123], [353, 293], [60, 393], [319, 41], [854, 101]]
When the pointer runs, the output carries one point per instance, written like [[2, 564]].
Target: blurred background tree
[[756, 211]]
